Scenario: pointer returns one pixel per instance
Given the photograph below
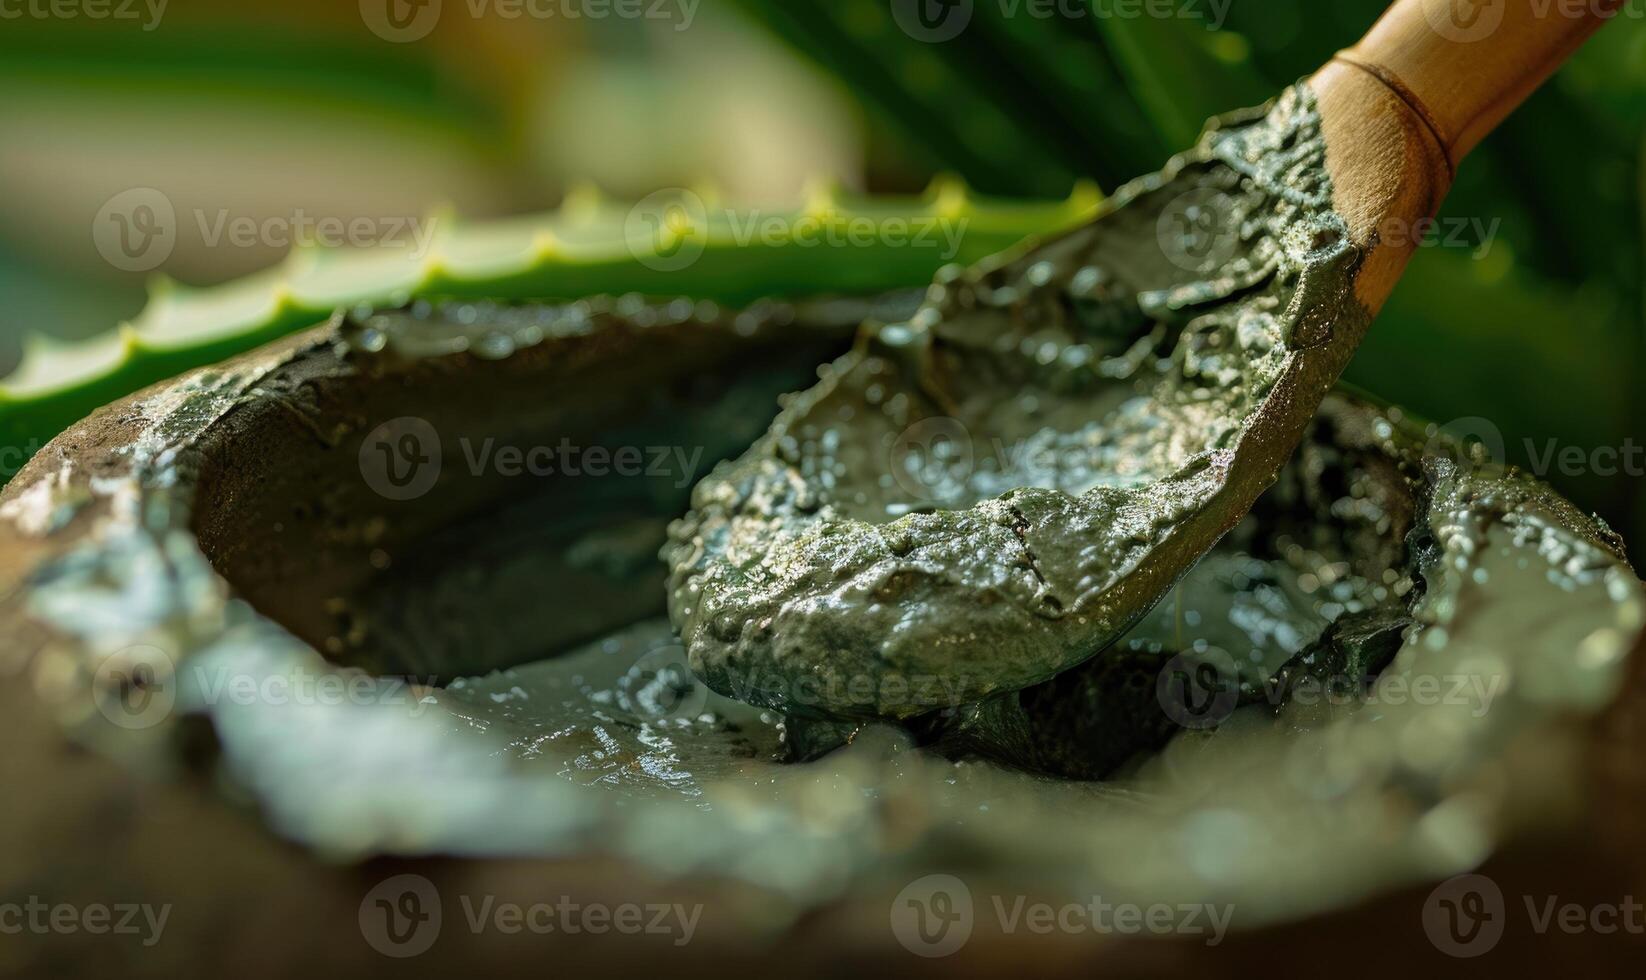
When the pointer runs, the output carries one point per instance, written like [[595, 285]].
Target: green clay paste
[[994, 491]]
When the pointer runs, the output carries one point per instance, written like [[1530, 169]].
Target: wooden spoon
[[1403, 108], [811, 578]]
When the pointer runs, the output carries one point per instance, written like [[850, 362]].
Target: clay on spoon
[[994, 491]]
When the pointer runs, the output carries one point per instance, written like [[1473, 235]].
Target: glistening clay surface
[[995, 490]]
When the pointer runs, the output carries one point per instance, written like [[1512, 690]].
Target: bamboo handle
[[1466, 64], [1400, 109]]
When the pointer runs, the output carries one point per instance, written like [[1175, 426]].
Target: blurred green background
[[1525, 310]]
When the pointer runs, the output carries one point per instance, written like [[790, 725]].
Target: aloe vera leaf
[[588, 247], [228, 62]]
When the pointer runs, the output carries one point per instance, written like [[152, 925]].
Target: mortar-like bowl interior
[[474, 663]]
